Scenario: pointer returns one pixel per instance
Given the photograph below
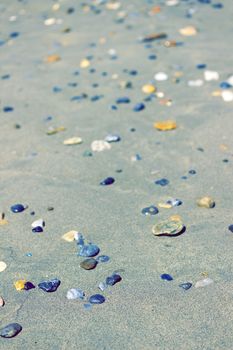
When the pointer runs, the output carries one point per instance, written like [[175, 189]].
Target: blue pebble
[[107, 181], [49, 286], [28, 254], [89, 250], [138, 157], [96, 98], [152, 210], [186, 285], [7, 109], [152, 57], [80, 240], [5, 77], [115, 278], [87, 306], [184, 177], [192, 172], [29, 285], [123, 100], [72, 84], [230, 228], [201, 66], [204, 1], [92, 70], [166, 277], [17, 208], [112, 138], [133, 72], [139, 107], [103, 258], [14, 34], [97, 299], [225, 85], [76, 72], [114, 108], [37, 229], [162, 182], [2, 42], [217, 6]]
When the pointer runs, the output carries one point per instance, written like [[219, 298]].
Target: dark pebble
[[29, 285], [17, 208], [11, 330], [152, 210], [88, 264], [107, 181], [97, 299], [162, 182], [139, 107], [115, 278], [166, 277], [8, 109], [49, 286], [37, 229], [186, 285], [230, 228], [123, 100], [103, 258], [89, 250], [192, 172]]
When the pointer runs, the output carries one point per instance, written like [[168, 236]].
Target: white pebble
[[211, 75], [100, 145], [50, 21], [195, 83], [203, 283], [75, 293], [172, 2], [38, 223], [230, 80], [3, 266], [227, 95], [161, 76]]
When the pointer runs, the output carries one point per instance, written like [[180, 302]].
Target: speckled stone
[[88, 264], [152, 210], [168, 228], [11, 330]]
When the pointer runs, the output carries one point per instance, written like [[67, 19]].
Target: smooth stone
[[185, 285], [168, 228], [29, 285], [195, 83], [49, 286], [230, 228], [103, 258], [38, 223], [204, 282], [107, 181], [211, 75], [89, 250], [37, 229], [102, 286], [115, 278], [97, 299], [75, 293], [69, 236], [161, 76], [100, 145], [3, 266], [112, 138], [188, 31], [123, 100], [17, 208], [11, 330], [152, 210], [162, 182], [2, 302], [206, 202], [88, 264], [19, 284], [166, 277], [227, 96], [139, 107], [72, 141]]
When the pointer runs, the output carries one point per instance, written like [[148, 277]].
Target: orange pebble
[[165, 125], [53, 58]]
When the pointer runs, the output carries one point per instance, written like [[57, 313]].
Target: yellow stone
[[73, 141], [164, 205], [3, 221], [55, 130], [188, 31], [148, 89], [165, 125], [206, 202], [217, 93], [52, 58], [175, 218], [69, 236], [84, 63], [19, 285]]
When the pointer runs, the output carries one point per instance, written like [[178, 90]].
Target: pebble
[[100, 145], [165, 125], [75, 293], [107, 181], [38, 223], [148, 89], [19, 285], [88, 264], [230, 228], [17, 208], [112, 138], [227, 95], [154, 36], [3, 221], [152, 210], [49, 286], [3, 266], [29, 285], [195, 83], [188, 31], [206, 202], [185, 285], [52, 58], [166, 277], [89, 250], [161, 76], [168, 228], [103, 258], [204, 282], [69, 236], [115, 278], [85, 63], [122, 100], [139, 107], [97, 299], [210, 75], [174, 202], [11, 330], [73, 141], [2, 302], [102, 286], [162, 182], [53, 131]]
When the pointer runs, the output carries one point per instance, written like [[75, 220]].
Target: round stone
[[168, 228], [139, 107], [162, 182], [3, 266], [161, 76], [49, 286], [17, 208], [206, 202], [11, 330], [148, 89], [89, 250], [97, 299], [88, 264], [152, 210], [103, 258]]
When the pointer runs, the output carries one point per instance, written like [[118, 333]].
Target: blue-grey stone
[[49, 286], [107, 181], [152, 210], [97, 299], [185, 285], [89, 250], [17, 208], [11, 330], [103, 258], [115, 278], [112, 138]]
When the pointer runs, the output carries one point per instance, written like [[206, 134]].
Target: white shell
[[211, 75], [204, 282], [100, 145]]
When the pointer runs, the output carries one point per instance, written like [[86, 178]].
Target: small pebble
[[230, 228], [73, 141], [152, 210], [103, 258], [206, 202], [174, 202], [211, 75], [3, 266], [97, 299], [69, 236], [166, 277], [49, 286], [227, 95], [115, 278], [165, 125], [11, 330], [185, 285], [88, 264], [204, 282], [107, 181], [169, 227], [188, 31], [75, 293], [161, 76], [28, 286], [2, 302], [122, 100], [100, 145], [17, 208], [112, 138], [89, 250], [162, 182], [19, 285], [139, 107], [102, 286]]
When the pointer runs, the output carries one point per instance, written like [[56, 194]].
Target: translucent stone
[[204, 282], [75, 293]]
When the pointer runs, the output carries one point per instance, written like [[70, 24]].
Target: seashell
[[38, 223], [168, 228]]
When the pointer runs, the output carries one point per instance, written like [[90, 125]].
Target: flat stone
[[107, 181], [168, 228], [185, 285], [115, 278], [73, 141], [11, 330], [88, 264], [97, 299], [152, 210], [49, 286], [100, 145], [69, 236]]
